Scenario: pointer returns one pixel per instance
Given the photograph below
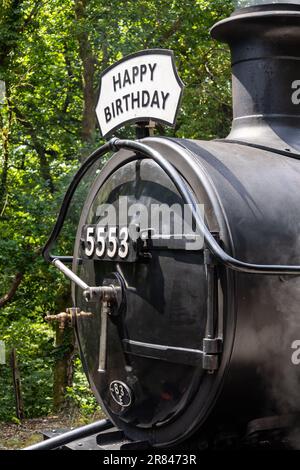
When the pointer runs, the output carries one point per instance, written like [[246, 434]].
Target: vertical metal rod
[[103, 337], [142, 129], [210, 302]]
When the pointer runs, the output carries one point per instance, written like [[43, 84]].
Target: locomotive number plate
[[109, 243]]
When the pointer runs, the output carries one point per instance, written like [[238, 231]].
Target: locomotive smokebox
[[264, 42]]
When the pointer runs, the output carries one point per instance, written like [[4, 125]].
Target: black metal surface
[[261, 302], [70, 436], [109, 440], [86, 443], [264, 43], [163, 352], [210, 241], [260, 196], [153, 314]]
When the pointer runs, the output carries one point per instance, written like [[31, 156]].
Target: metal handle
[[70, 274], [100, 293]]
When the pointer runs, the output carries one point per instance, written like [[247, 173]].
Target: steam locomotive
[[200, 346]]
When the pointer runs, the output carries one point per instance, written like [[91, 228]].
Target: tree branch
[[39, 148], [5, 135], [13, 289]]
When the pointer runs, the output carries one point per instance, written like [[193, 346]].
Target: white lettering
[[296, 94], [296, 353], [131, 76], [116, 460]]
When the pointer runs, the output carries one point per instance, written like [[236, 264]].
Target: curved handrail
[[145, 151], [108, 147]]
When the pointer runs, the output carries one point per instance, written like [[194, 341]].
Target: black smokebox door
[[153, 357]]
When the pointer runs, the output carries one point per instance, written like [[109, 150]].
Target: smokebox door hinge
[[212, 342], [212, 348]]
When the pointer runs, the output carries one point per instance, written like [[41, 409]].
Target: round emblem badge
[[121, 393]]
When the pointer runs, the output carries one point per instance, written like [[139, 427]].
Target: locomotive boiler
[[191, 343]]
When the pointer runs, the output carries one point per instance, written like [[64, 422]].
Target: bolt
[[87, 295]]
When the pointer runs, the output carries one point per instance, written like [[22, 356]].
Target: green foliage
[[46, 48], [33, 341], [80, 394]]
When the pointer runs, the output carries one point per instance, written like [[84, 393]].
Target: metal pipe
[[70, 436], [108, 147], [70, 274]]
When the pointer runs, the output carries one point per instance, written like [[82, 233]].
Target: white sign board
[[140, 87]]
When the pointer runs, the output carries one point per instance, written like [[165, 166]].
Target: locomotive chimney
[[265, 47]]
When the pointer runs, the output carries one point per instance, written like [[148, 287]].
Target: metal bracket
[[100, 294], [209, 259]]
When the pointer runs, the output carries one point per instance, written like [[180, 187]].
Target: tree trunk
[[88, 73], [39, 148], [13, 289], [63, 367], [17, 385], [5, 125], [4, 174]]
